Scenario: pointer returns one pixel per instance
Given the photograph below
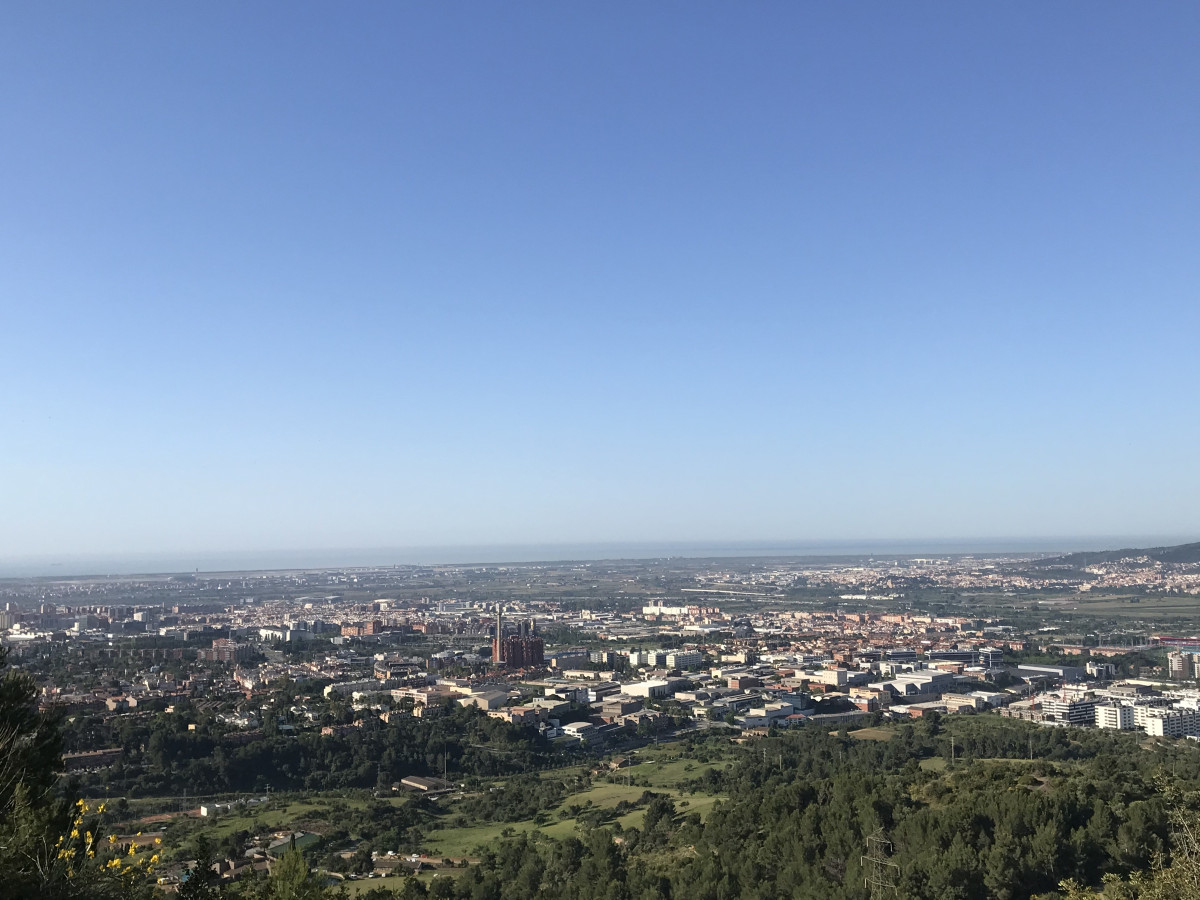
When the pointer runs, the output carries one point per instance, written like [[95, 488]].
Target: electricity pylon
[[880, 872]]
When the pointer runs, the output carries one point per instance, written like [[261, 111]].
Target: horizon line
[[167, 562]]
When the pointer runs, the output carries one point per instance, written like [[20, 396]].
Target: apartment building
[[1069, 712], [1114, 716], [684, 659], [1172, 722]]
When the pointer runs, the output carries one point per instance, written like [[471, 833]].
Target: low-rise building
[[654, 689], [485, 699], [962, 702]]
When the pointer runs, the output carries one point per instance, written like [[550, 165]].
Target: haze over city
[[276, 281]]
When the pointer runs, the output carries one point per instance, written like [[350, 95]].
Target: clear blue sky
[[289, 275]]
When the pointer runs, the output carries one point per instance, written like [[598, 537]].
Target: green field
[[276, 817], [660, 769], [1147, 607], [392, 883], [1132, 606], [871, 734], [458, 842]]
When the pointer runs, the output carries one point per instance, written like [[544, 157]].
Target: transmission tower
[[880, 872]]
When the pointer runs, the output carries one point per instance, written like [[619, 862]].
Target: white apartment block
[[682, 659], [1143, 711], [1070, 712], [1119, 717], [1172, 722]]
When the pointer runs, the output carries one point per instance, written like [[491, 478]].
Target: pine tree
[[30, 742], [199, 884], [290, 879]]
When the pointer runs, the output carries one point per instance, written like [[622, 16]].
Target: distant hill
[[1182, 553]]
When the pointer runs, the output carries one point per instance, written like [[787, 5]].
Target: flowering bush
[[82, 862], [84, 854]]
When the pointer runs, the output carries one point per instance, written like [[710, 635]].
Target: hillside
[[1181, 553]]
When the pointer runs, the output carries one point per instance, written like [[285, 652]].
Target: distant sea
[[164, 563]]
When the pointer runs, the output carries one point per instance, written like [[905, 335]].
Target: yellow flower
[[112, 838], [100, 808], [89, 837], [74, 833], [91, 854], [80, 804], [158, 840], [154, 859]]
